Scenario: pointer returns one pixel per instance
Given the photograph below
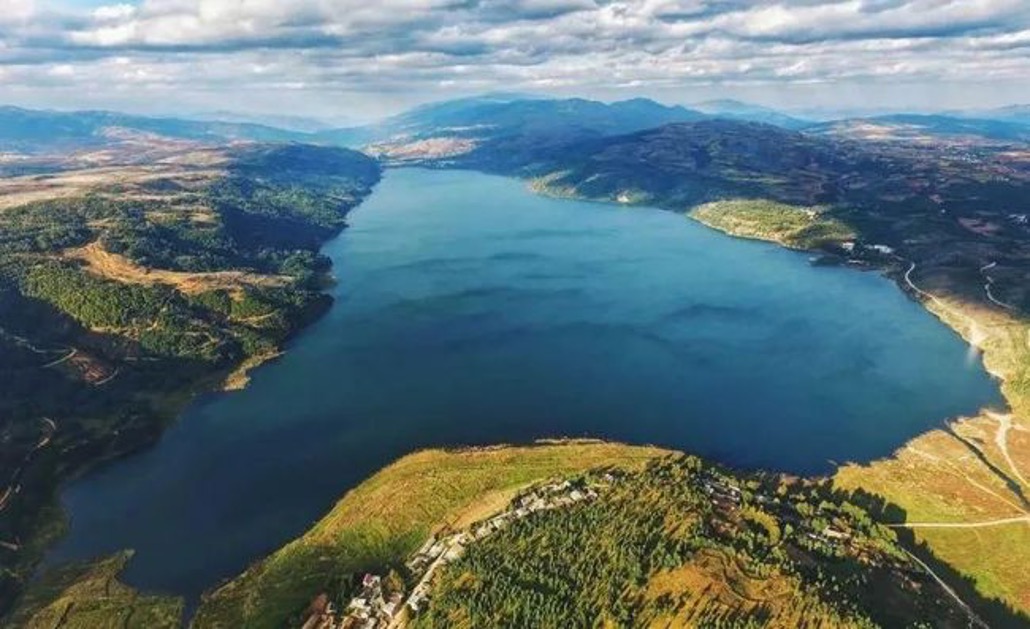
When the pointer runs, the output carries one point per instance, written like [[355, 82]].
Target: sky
[[362, 59]]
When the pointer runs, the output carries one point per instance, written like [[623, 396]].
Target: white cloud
[[418, 46], [15, 11], [114, 12]]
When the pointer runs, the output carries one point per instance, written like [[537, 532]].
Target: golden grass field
[[116, 267], [187, 163], [715, 581]]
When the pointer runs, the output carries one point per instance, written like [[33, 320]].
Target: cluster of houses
[[850, 247], [371, 608], [721, 492], [436, 553], [728, 497], [374, 608], [829, 536]]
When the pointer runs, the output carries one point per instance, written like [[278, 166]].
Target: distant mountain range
[[35, 131], [523, 122], [737, 110], [302, 124], [926, 127], [1019, 114]]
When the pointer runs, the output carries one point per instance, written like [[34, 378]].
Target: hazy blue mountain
[[685, 163], [922, 126], [301, 124], [1017, 114], [35, 131], [738, 110], [494, 116]]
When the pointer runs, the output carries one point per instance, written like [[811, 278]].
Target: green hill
[[561, 534], [126, 288]]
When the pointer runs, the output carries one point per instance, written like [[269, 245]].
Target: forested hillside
[[683, 543], [124, 289]]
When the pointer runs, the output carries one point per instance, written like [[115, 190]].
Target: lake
[[469, 310]]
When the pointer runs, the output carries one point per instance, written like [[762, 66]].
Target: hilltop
[[385, 519], [568, 534]]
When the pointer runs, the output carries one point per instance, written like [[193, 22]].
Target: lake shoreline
[[55, 523], [359, 288], [988, 332]]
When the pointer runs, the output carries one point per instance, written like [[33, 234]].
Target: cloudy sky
[[363, 58]]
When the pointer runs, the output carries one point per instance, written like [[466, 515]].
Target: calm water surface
[[472, 311]]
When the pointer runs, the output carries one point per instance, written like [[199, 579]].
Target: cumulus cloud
[[17, 11], [433, 47]]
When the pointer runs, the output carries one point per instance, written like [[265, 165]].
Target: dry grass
[[761, 219], [239, 378], [404, 150], [126, 169], [121, 269], [712, 584]]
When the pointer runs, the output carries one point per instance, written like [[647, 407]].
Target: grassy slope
[[390, 515], [89, 596]]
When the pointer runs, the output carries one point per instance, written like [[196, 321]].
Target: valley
[[159, 276]]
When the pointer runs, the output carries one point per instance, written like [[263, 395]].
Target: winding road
[[987, 286], [57, 362], [976, 334], [1001, 440]]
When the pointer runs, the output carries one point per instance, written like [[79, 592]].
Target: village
[[376, 606], [383, 601], [727, 498]]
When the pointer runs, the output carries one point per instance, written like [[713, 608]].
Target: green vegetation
[[655, 538], [121, 298], [796, 227], [675, 544], [387, 517], [89, 595]]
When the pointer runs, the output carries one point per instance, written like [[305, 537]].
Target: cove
[[471, 311]]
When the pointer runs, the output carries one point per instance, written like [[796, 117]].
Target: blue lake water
[[471, 311]]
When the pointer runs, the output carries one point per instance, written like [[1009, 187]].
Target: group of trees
[[656, 546]]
